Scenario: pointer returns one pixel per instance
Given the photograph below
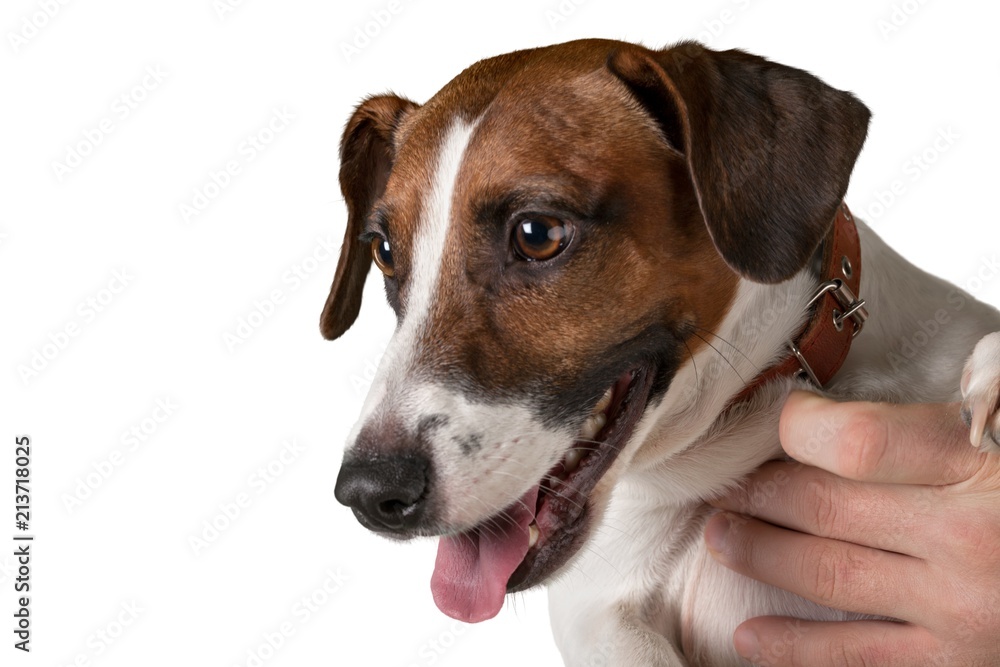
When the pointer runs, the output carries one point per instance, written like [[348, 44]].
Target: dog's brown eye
[[382, 255], [540, 237]]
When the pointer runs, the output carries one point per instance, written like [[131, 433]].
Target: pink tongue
[[472, 568]]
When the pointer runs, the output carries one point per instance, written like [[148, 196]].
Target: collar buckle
[[850, 307], [820, 348]]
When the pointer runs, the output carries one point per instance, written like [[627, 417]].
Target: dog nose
[[386, 494]]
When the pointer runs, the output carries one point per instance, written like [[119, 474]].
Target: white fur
[[645, 590], [432, 237], [429, 244], [493, 478], [515, 451], [981, 392]]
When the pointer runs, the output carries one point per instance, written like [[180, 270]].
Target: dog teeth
[[593, 426], [572, 459], [605, 401], [532, 534], [597, 420], [600, 421]]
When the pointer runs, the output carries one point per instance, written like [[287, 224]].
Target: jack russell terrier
[[609, 266]]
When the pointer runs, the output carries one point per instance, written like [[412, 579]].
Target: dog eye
[[382, 255], [540, 237]]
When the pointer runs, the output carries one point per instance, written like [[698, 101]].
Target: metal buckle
[[806, 368], [850, 307]]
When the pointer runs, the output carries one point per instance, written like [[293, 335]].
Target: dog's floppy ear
[[366, 156], [770, 148]]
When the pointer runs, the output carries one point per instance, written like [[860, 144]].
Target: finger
[[791, 642], [809, 500], [829, 572], [880, 442]]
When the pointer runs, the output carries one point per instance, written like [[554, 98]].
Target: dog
[[609, 266]]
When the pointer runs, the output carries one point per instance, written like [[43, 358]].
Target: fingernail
[[717, 531], [746, 642]]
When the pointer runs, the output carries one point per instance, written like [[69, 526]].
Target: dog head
[[554, 227]]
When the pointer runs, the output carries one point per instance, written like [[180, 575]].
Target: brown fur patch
[[570, 147], [366, 157], [770, 147], [651, 156]]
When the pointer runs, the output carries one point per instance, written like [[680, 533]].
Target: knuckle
[[961, 604], [975, 538], [861, 652], [864, 450], [823, 507], [971, 611], [822, 569], [835, 576], [848, 657]]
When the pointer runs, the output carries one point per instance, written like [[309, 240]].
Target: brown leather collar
[[838, 314]]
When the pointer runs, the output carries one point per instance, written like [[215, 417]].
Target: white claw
[[981, 392], [980, 414]]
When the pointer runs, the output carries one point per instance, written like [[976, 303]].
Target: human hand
[[887, 511]]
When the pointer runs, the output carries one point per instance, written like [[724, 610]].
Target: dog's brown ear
[[366, 156], [770, 148]]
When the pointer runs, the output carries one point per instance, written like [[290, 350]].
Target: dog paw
[[981, 392]]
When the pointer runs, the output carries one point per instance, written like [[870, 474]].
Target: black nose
[[386, 494]]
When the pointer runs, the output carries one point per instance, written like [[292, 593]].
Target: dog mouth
[[530, 540]]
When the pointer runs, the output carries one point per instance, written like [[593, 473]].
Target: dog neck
[[730, 391], [696, 442], [697, 410], [838, 314]]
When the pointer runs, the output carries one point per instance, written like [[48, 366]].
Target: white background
[[162, 337]]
